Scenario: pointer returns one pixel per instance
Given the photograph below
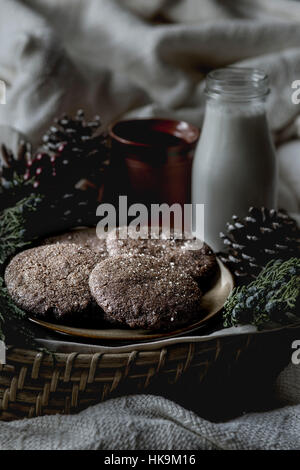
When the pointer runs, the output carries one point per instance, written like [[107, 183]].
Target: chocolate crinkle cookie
[[125, 240], [200, 263], [51, 281], [86, 237], [141, 291], [182, 250]]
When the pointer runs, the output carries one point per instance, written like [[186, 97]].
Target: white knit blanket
[[145, 58], [153, 423]]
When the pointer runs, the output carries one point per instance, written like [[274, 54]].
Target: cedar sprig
[[273, 298], [12, 327], [13, 226], [12, 239]]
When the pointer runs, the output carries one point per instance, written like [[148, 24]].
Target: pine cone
[[66, 173], [253, 241], [75, 151], [72, 151], [76, 132], [13, 187], [14, 166]]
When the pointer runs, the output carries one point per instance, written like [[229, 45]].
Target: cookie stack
[[136, 282]]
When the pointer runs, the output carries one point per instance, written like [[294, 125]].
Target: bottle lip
[[237, 84]]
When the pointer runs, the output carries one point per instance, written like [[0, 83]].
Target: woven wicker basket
[[33, 383]]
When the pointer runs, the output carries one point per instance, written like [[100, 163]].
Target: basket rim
[[156, 347]]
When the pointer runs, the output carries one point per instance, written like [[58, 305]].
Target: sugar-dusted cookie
[[141, 291], [85, 237], [52, 280], [184, 252], [200, 263], [124, 240]]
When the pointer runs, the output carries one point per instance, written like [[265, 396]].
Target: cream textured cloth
[[141, 58], [152, 423], [148, 58]]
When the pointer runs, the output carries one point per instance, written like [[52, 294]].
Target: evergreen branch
[[12, 239], [12, 226], [12, 326], [272, 297]]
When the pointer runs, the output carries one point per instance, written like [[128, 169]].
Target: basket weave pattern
[[34, 383]]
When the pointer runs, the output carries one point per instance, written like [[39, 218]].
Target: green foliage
[[273, 298], [12, 328], [13, 191], [13, 226], [12, 239]]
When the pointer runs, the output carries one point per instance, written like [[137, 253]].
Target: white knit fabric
[[115, 58], [111, 57], [152, 423]]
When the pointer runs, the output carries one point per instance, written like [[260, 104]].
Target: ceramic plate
[[212, 302]]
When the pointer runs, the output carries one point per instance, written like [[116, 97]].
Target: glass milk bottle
[[234, 165]]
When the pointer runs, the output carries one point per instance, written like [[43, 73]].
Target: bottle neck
[[236, 85]]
